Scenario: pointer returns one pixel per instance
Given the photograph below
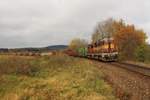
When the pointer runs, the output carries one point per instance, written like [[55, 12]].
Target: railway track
[[134, 68], [131, 67]]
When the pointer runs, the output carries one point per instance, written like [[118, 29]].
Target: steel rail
[[135, 68]]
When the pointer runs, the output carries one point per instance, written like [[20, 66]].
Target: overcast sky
[[36, 23]]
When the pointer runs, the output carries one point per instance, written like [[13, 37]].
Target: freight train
[[104, 50]]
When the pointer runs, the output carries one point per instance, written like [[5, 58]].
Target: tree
[[103, 29], [95, 37], [127, 38], [78, 43], [148, 52], [141, 53]]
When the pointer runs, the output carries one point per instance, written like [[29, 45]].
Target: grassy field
[[51, 78]]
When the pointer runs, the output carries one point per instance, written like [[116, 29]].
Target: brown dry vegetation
[[51, 78]]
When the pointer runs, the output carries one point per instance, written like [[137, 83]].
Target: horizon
[[36, 47]]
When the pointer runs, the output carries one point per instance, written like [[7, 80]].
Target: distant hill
[[57, 47], [41, 49]]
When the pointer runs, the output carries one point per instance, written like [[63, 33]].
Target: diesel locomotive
[[104, 49]]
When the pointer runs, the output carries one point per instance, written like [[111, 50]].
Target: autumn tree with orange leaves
[[128, 39]]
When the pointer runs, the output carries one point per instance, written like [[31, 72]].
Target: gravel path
[[128, 85]]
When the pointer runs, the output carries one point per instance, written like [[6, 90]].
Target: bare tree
[[103, 29]]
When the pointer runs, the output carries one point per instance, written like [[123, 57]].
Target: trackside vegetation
[[51, 78]]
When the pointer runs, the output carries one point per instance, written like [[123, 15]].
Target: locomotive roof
[[105, 40], [102, 40]]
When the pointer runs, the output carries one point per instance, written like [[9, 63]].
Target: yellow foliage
[[128, 38]]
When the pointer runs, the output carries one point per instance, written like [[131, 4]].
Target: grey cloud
[[26, 23]]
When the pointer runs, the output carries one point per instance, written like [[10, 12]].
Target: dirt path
[[128, 85]]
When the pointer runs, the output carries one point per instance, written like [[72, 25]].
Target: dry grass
[[51, 78]]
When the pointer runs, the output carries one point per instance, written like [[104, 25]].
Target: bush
[[141, 53], [15, 65]]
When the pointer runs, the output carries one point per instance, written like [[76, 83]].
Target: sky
[[38, 23]]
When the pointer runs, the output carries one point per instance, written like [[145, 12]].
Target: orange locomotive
[[104, 49]]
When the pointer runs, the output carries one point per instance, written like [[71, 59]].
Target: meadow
[[58, 77]]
